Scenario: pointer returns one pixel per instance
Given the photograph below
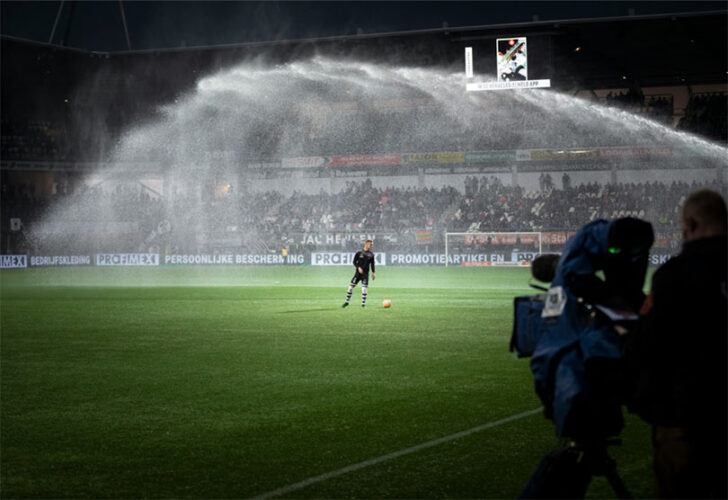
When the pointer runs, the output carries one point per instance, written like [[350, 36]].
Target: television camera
[[568, 331]]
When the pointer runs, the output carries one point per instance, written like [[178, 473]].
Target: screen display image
[[512, 59]]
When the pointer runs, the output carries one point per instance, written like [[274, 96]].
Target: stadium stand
[[54, 108], [268, 220], [705, 114]]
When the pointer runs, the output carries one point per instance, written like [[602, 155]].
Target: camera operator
[[677, 357], [576, 361]]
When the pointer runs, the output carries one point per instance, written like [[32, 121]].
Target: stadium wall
[[580, 174], [679, 93], [530, 180], [676, 175], [471, 257]]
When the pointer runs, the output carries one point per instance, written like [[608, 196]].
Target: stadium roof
[[103, 26]]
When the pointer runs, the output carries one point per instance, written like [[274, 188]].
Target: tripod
[[567, 472]]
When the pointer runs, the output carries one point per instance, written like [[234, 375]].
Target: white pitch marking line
[[390, 456]]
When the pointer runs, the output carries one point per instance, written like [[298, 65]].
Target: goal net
[[492, 249]]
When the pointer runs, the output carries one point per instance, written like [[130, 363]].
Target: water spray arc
[[254, 114]]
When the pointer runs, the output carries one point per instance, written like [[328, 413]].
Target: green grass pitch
[[231, 382]]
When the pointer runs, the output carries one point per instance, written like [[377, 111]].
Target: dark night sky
[[95, 25]]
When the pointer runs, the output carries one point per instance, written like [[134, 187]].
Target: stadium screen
[[511, 59]]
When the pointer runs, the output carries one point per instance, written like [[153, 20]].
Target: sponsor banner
[[657, 259], [364, 160], [417, 259], [264, 165], [516, 84], [523, 155], [342, 238], [233, 259], [501, 239], [450, 157], [661, 240], [13, 261], [342, 259], [667, 240], [564, 154], [636, 152], [468, 62], [490, 156], [420, 158], [307, 162], [523, 257], [351, 173], [127, 259], [447, 157], [438, 259], [496, 263], [60, 260], [554, 238], [423, 236], [578, 154]]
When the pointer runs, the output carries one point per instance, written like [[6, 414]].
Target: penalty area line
[[377, 460]]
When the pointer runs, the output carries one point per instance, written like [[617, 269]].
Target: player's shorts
[[364, 278]]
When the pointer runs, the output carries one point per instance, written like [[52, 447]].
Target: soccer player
[[362, 260]]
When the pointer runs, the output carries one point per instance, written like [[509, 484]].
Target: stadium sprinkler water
[[239, 127], [328, 107]]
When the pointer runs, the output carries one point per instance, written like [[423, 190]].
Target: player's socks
[[363, 296], [348, 295]]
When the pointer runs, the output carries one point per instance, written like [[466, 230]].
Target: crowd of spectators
[[505, 208], [269, 219], [265, 221], [32, 141], [632, 98], [93, 219], [58, 139], [658, 107], [361, 207], [707, 115]]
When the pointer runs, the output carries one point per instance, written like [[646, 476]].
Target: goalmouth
[[492, 249]]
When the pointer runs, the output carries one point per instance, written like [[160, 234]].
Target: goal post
[[494, 248]]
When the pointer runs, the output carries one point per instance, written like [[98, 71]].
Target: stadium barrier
[[537, 156], [658, 257]]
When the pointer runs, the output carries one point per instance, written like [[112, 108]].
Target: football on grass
[[386, 303]]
